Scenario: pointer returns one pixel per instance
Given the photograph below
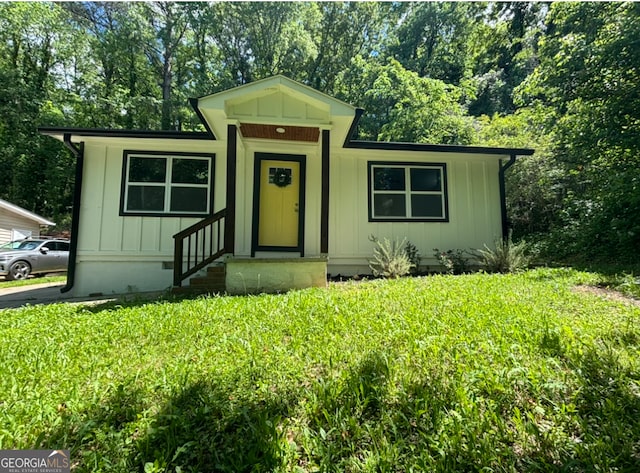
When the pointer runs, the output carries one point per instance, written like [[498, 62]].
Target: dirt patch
[[609, 294]]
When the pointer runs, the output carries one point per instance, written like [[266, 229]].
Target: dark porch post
[[324, 209], [230, 221]]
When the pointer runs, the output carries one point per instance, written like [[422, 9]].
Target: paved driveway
[[49, 293]]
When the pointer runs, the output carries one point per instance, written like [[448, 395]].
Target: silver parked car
[[20, 258]]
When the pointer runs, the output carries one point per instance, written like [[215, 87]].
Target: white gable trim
[[9, 207], [269, 85]]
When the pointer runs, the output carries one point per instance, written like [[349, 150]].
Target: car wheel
[[19, 270]]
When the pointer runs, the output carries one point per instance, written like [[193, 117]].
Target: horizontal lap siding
[[10, 221], [474, 205]]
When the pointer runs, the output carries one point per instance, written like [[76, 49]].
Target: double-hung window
[[407, 192], [172, 184]]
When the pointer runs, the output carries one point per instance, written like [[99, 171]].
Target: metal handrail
[[200, 250]]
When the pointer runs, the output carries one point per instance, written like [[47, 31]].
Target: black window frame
[[127, 154], [407, 165]]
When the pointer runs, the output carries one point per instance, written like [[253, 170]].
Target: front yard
[[442, 373]]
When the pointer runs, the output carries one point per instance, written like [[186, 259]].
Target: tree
[[168, 22], [259, 39], [588, 75], [536, 186], [113, 85], [504, 54], [342, 31], [36, 48], [432, 39], [402, 106]]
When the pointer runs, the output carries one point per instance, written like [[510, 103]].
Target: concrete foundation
[[259, 275]]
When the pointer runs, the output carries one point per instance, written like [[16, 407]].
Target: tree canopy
[[562, 78]]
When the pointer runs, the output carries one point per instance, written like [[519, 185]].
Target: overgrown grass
[[442, 373], [31, 281], [622, 278]]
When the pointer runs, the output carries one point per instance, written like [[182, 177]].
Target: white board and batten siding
[[473, 202], [130, 253], [245, 191]]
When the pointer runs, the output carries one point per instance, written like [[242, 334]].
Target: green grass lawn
[[31, 281], [442, 373]]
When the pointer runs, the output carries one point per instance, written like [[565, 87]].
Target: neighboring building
[[276, 181], [17, 223]]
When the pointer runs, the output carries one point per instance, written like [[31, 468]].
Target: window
[[56, 245], [177, 184], [407, 192]]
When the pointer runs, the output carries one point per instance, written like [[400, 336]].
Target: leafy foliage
[[536, 187], [453, 261], [35, 44], [432, 41], [390, 258], [588, 75], [403, 106], [413, 255], [506, 257]]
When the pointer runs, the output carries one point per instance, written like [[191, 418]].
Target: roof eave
[[404, 146], [24, 213], [116, 133]]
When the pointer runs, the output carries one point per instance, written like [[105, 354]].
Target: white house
[[17, 223], [276, 188]]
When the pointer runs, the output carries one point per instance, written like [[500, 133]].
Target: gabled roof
[[274, 101], [12, 208], [263, 87]]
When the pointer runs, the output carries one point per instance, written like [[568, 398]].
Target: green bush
[[413, 254], [507, 257], [453, 261], [390, 258]]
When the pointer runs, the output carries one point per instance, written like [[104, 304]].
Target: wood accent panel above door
[[280, 132]]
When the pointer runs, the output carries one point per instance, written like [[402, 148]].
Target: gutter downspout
[[503, 197], [78, 152]]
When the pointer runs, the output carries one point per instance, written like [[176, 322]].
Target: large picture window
[[407, 192], [175, 184]]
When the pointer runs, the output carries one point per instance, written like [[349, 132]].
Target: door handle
[[296, 207]]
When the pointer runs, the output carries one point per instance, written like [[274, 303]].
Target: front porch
[[204, 247], [257, 275]]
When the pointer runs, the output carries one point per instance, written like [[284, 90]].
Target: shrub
[[453, 261], [507, 257], [390, 259], [413, 255]]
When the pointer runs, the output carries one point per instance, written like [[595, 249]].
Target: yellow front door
[[279, 212]]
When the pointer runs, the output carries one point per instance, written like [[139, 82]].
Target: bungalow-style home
[[273, 195], [17, 223]]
